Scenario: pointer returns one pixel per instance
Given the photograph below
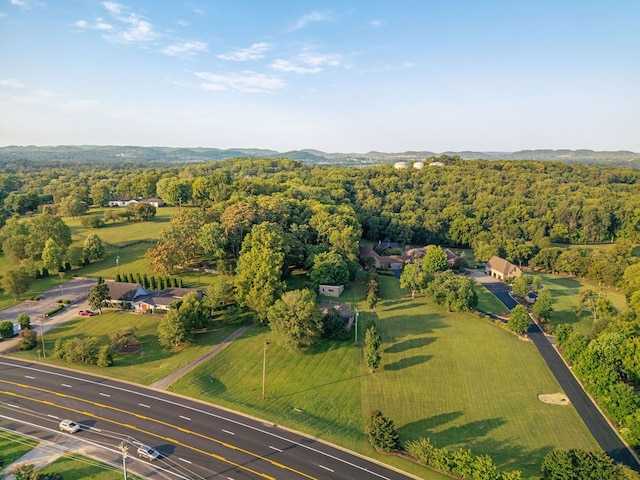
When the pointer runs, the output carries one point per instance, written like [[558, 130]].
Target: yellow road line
[[167, 424]]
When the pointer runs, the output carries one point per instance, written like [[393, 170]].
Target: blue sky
[[339, 76]]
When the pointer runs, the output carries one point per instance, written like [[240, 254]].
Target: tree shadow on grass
[[405, 345], [465, 434], [408, 362]]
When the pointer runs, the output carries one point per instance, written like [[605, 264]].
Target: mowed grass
[[13, 446], [487, 302], [152, 363], [457, 379], [77, 467], [565, 291]]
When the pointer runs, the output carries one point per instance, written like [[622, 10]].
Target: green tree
[[178, 244], [193, 312], [24, 321], [145, 212], [372, 343], [543, 308], [382, 432], [519, 320], [329, 268], [455, 293], [578, 464], [174, 190], [100, 193], [6, 329], [41, 228], [259, 271], [520, 285], [594, 302], [72, 206], [219, 294], [212, 240], [415, 277], [434, 260], [295, 320], [16, 282], [98, 295], [52, 255], [93, 249], [173, 332]]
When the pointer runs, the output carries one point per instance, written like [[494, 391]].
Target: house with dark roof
[[135, 297], [502, 269]]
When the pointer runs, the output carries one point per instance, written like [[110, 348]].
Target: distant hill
[[134, 154]]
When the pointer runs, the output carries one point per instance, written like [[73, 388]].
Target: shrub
[[382, 432], [28, 339]]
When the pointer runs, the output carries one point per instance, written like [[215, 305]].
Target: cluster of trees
[[608, 366], [178, 327], [574, 463], [85, 350], [152, 282], [460, 463], [603, 267]]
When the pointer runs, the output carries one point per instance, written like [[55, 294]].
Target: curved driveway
[[602, 431]]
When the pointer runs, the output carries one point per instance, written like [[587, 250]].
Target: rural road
[[602, 431]]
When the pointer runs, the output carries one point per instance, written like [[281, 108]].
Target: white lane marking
[[12, 405], [326, 468], [65, 385], [143, 405], [95, 429], [204, 412], [227, 431], [29, 377], [52, 416], [184, 460], [276, 449], [104, 394], [185, 418]]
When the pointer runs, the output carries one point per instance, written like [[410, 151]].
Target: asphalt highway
[[196, 440]]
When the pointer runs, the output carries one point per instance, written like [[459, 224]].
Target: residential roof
[[501, 265], [124, 291]]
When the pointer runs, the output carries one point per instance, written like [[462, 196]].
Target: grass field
[[457, 379], [564, 292], [149, 365], [77, 467], [12, 447]]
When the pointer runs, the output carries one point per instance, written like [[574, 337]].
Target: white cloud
[[287, 66], [185, 49], [11, 83], [21, 3], [99, 24], [376, 23], [311, 18], [307, 62], [254, 52], [249, 82], [112, 7], [133, 28]]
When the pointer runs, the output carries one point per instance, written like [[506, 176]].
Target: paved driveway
[[602, 431], [74, 290]]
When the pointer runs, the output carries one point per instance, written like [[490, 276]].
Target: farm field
[[457, 379]]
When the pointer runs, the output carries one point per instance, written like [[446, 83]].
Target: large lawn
[[152, 363], [564, 292], [457, 379]]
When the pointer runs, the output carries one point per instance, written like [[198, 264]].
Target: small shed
[[331, 290]]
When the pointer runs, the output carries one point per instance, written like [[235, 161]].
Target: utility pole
[[118, 264], [123, 449], [356, 321], [264, 367], [44, 352]]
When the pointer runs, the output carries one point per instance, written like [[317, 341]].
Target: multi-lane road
[[196, 440]]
